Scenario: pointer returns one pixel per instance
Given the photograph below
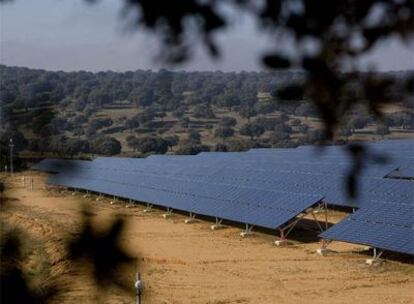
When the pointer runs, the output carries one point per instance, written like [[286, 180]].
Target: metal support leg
[[168, 214], [99, 197], [324, 247], [284, 231], [129, 203], [149, 208], [86, 195], [247, 231], [114, 200], [283, 241], [317, 222], [217, 225], [376, 258], [190, 219]]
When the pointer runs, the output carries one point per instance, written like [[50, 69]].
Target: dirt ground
[[189, 263]]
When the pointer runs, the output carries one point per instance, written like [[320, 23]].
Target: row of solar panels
[[203, 183], [332, 188], [384, 226], [270, 209]]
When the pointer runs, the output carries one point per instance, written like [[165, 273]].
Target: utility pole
[[138, 287], [11, 146]]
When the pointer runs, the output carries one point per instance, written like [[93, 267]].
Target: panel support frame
[[168, 213], [190, 219], [148, 208], [217, 225], [285, 230], [247, 231], [376, 255]]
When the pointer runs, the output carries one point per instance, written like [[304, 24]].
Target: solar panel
[[333, 188], [262, 187], [405, 171], [385, 226], [256, 207]]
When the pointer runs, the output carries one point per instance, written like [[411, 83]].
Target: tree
[[305, 109], [252, 129], [314, 136], [132, 142], [264, 107], [303, 128], [202, 111], [247, 112], [223, 132], [76, 146], [345, 131], [382, 130], [99, 123], [179, 112], [143, 96], [132, 123], [145, 116], [402, 119], [194, 136], [228, 99], [152, 144], [189, 148], [295, 122], [357, 122], [228, 122], [172, 141], [282, 127], [106, 145], [238, 145], [278, 136], [184, 122]]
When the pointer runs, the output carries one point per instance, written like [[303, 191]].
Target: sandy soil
[[190, 264]]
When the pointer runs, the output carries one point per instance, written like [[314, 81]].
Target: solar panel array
[[264, 187], [382, 226], [269, 209]]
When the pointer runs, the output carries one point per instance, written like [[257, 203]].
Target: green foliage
[[189, 148], [148, 144], [278, 136], [247, 112], [228, 122], [382, 129], [252, 129], [223, 132], [172, 140], [203, 111], [106, 146], [194, 136]]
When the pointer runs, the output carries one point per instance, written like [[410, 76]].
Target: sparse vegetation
[[177, 110]]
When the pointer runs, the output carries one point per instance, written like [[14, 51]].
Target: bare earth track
[[191, 264]]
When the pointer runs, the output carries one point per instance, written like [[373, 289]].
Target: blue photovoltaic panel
[[405, 171], [385, 226], [252, 206], [333, 188], [263, 187]]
